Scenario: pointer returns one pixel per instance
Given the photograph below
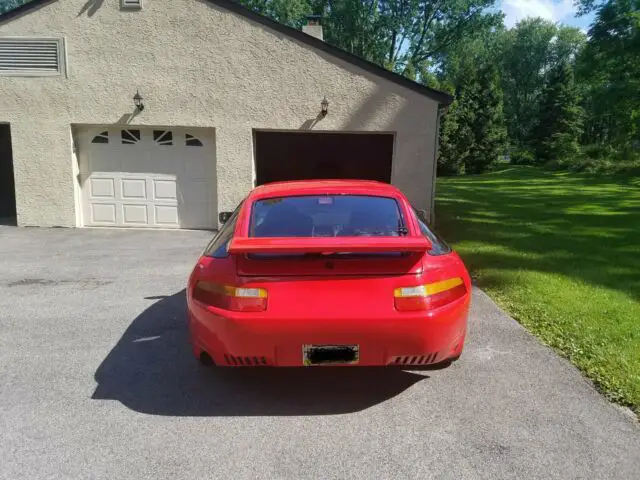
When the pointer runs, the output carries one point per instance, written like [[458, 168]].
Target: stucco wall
[[196, 64]]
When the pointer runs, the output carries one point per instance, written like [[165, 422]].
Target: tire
[[206, 360]]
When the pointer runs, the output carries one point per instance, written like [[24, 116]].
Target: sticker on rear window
[[325, 200]]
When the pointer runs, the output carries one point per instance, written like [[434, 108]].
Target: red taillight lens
[[429, 296], [448, 296], [236, 299]]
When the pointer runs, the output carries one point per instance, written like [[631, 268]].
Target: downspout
[[442, 109]]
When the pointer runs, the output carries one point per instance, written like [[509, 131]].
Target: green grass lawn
[[561, 253]]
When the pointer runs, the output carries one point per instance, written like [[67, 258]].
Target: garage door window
[[130, 137], [163, 137], [193, 141], [101, 138]]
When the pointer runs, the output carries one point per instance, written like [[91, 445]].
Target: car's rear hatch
[[328, 278]]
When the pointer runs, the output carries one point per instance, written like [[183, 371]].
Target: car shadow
[[152, 370]]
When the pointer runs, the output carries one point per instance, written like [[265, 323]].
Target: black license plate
[[330, 354]]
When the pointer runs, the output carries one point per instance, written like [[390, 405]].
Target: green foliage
[[560, 253], [609, 73], [600, 160], [560, 117], [524, 76], [404, 36], [473, 132], [287, 12], [7, 5], [598, 151], [522, 157]]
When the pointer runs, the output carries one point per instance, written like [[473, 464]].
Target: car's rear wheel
[[206, 360]]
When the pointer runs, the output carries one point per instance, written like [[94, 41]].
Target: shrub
[[556, 165], [522, 157], [598, 151], [602, 166]]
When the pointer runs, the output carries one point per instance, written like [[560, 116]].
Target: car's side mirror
[[224, 216], [422, 215]]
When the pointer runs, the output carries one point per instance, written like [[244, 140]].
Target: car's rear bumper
[[418, 338]]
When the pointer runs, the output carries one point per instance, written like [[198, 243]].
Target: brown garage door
[[284, 156]]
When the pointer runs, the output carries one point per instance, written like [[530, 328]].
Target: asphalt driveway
[[97, 381]]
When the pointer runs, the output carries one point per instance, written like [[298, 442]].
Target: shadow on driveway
[[152, 370]]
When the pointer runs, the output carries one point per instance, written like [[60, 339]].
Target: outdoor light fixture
[[325, 106], [137, 100]]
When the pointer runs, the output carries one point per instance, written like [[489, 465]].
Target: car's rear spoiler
[[329, 244]]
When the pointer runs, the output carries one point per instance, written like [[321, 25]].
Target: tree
[[473, 133], [609, 70], [560, 117], [404, 36], [287, 12], [526, 53], [8, 5], [489, 126], [566, 45]]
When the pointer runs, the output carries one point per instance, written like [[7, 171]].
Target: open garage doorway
[[282, 156], [7, 186]]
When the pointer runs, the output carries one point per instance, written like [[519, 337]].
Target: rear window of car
[[326, 216]]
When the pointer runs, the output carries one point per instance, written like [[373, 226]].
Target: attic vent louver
[[131, 4], [31, 56]]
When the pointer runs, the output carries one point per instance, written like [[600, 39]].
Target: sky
[[555, 10]]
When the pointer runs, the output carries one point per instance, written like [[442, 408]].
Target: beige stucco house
[[227, 100]]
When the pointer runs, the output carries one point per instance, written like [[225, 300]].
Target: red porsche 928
[[325, 272]]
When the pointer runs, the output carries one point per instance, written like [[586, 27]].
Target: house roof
[[436, 95]]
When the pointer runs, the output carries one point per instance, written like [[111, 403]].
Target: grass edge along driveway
[[560, 253]]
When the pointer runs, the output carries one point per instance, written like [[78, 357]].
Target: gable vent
[[131, 3], [31, 56]]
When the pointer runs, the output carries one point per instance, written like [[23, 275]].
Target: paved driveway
[[97, 381]]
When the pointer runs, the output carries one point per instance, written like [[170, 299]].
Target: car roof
[[319, 187]]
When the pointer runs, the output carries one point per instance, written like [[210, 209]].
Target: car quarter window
[[218, 246], [439, 246]]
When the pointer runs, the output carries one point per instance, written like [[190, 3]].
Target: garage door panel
[[166, 215], [103, 213], [156, 178], [135, 214], [102, 187], [134, 188], [164, 190]]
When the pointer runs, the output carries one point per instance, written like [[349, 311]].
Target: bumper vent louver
[[235, 361], [415, 360]]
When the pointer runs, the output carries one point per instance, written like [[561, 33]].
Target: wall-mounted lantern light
[[137, 100], [324, 106]]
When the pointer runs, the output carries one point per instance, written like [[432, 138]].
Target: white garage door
[[148, 177]]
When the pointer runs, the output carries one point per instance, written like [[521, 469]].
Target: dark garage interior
[[7, 187], [282, 156]]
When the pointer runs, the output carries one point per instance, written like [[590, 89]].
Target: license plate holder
[[313, 355]]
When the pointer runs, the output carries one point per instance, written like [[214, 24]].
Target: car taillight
[[429, 296], [236, 299]]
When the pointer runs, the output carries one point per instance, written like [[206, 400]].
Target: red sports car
[[327, 273]]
